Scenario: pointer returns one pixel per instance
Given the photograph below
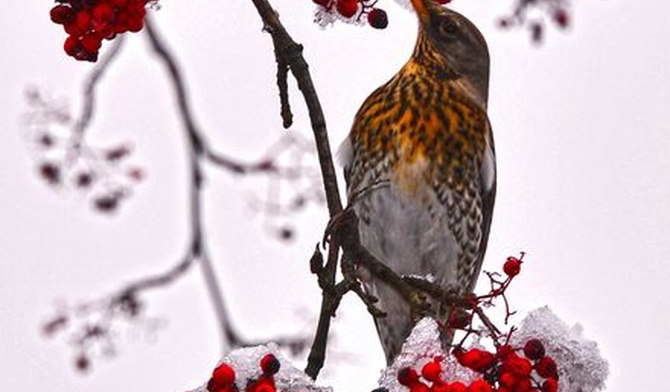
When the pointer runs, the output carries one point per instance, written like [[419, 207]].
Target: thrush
[[420, 168]]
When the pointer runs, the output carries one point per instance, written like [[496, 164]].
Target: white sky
[[581, 129]]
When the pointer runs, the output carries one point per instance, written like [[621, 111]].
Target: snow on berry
[[252, 372], [422, 346], [580, 365]]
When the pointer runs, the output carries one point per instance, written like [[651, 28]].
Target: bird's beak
[[422, 8]]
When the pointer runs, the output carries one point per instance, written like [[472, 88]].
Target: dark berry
[[533, 349], [61, 14], [378, 18], [270, 364]]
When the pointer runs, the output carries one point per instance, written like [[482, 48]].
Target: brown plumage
[[420, 166]]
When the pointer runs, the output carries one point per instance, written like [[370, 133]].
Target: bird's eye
[[448, 27]]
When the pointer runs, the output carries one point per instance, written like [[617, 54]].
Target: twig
[[89, 90], [199, 152], [289, 53]]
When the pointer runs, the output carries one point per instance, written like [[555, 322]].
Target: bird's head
[[453, 46]]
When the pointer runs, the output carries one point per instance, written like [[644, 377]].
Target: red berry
[[103, 13], [408, 376], [546, 368], [520, 367], [432, 371], [378, 18], [458, 387], [533, 349], [119, 3], [419, 387], [512, 266], [476, 359], [223, 374], [270, 364], [136, 11], [480, 386], [440, 386], [263, 384], [135, 25], [80, 24], [507, 380], [523, 385], [550, 385], [504, 351], [72, 46], [91, 42], [347, 8], [561, 17], [61, 14]]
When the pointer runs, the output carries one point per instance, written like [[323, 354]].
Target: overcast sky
[[581, 131]]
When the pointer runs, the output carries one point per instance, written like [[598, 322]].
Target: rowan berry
[[533, 349], [440, 386], [103, 13], [419, 387], [458, 387], [378, 18], [270, 364], [61, 14], [347, 8], [224, 374], [507, 380], [408, 376], [546, 368], [91, 42], [432, 371], [517, 365], [480, 386], [550, 385], [476, 359], [72, 46], [512, 266], [561, 18]]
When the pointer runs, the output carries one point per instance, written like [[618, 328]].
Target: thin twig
[[198, 153], [195, 150], [90, 85]]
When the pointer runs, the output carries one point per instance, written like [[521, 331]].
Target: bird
[[420, 168]]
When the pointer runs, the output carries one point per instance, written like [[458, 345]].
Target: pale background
[[581, 128]]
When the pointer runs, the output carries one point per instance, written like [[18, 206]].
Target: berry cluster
[[528, 370], [523, 15], [356, 10], [349, 9], [223, 377], [88, 22], [508, 370]]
